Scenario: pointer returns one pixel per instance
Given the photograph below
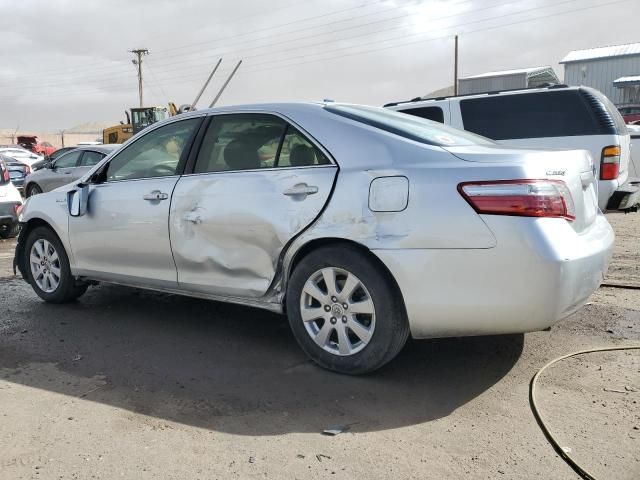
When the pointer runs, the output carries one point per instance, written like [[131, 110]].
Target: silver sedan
[[364, 225], [66, 168]]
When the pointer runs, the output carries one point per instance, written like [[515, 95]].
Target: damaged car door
[[124, 236], [256, 183]]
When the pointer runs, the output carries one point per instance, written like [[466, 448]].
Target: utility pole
[[139, 52], [455, 69]]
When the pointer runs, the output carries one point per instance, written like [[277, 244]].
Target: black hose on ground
[[536, 413]]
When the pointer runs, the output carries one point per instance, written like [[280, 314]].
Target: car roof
[[8, 159], [512, 91], [98, 148]]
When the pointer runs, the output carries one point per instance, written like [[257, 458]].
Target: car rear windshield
[[563, 113], [408, 126]]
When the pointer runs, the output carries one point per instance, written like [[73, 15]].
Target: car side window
[[297, 151], [240, 142], [155, 154], [91, 158], [68, 160]]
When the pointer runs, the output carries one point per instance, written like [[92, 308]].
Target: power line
[[91, 66], [267, 45], [315, 60], [242, 18]]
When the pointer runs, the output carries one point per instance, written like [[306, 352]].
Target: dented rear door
[[228, 228]]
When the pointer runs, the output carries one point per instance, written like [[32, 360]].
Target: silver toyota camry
[[364, 225]]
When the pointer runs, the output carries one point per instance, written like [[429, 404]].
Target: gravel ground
[[132, 384]]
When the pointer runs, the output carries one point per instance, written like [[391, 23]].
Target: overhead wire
[[252, 68]]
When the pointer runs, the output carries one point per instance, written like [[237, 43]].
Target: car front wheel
[[47, 267], [344, 311]]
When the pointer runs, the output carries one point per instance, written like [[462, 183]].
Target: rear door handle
[[155, 196], [301, 189]]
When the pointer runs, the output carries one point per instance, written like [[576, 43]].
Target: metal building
[[507, 80], [605, 69]]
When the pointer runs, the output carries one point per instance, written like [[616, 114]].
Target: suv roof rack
[[493, 92]]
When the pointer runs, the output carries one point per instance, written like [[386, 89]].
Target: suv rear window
[[434, 114], [535, 115], [408, 126]]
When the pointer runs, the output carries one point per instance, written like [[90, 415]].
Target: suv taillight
[[523, 198], [610, 163]]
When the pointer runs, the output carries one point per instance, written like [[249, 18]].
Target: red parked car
[[630, 113], [30, 142]]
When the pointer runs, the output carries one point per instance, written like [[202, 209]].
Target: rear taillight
[[27, 170], [524, 198], [610, 163], [6, 176]]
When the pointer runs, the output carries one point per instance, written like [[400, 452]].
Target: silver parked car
[[66, 168], [364, 225]]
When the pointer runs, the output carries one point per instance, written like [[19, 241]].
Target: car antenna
[[193, 104], [225, 84]]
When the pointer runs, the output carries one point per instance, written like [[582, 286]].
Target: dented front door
[[228, 229]]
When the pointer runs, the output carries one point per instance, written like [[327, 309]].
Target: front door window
[[156, 154]]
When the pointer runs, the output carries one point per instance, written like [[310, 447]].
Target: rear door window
[[68, 160], [297, 151], [91, 158], [530, 115], [434, 114]]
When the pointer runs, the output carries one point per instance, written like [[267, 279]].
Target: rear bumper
[[539, 272], [8, 215], [625, 197]]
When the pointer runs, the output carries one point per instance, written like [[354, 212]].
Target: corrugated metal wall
[[490, 84], [601, 73]]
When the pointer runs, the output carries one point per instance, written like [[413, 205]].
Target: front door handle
[[155, 196], [301, 189]]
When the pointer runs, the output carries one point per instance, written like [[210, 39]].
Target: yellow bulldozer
[[139, 119], [142, 117]]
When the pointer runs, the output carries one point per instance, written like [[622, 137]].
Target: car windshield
[[409, 126]]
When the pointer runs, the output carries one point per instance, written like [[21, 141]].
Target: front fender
[[48, 209]]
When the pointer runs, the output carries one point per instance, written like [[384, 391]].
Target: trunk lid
[[574, 167]]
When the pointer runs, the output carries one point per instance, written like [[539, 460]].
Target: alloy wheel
[[337, 311], [45, 265]]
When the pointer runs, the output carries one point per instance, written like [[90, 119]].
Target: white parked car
[[10, 203], [21, 154], [551, 117]]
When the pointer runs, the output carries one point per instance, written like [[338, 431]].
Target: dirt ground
[[135, 385]]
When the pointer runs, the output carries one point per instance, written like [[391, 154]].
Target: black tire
[[9, 231], [34, 189], [67, 289], [391, 324]]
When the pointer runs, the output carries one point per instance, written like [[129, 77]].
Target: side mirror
[[50, 165], [77, 200]]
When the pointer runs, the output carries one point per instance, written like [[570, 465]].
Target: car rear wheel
[[47, 267], [34, 190], [345, 312]]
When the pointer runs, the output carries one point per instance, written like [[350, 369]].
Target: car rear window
[[408, 126], [536, 115]]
